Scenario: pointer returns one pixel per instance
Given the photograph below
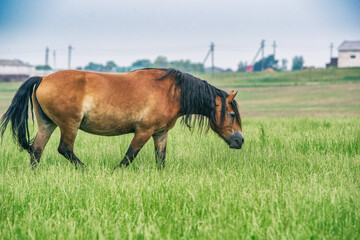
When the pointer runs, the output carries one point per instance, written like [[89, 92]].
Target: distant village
[[16, 70]]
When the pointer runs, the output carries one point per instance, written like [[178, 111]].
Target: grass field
[[281, 79], [297, 176]]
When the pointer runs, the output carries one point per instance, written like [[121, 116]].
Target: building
[[349, 54], [15, 70]]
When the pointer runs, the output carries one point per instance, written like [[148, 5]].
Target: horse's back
[[107, 104]]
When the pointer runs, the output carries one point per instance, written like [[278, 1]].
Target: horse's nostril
[[243, 140], [239, 141]]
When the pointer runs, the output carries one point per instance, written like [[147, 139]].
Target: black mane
[[197, 99]]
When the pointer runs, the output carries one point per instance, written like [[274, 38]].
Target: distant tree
[[284, 63], [122, 69], [180, 65], [274, 64], [242, 66], [187, 66], [142, 63], [297, 63], [197, 67], [161, 62], [269, 62], [95, 67], [43, 67], [110, 67]]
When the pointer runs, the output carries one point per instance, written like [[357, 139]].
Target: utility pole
[[262, 54], [47, 56], [261, 49], [331, 50], [69, 57], [54, 56], [211, 51], [212, 59], [274, 49]]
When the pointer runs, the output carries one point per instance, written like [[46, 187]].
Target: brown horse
[[145, 102]]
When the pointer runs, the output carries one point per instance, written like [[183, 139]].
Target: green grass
[[319, 100], [295, 178]]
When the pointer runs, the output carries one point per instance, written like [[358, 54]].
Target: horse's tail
[[18, 113]]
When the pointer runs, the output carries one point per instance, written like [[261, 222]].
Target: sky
[[125, 31]]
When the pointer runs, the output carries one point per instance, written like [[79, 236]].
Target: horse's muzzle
[[236, 140]]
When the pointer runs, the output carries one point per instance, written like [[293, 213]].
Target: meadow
[[297, 176]]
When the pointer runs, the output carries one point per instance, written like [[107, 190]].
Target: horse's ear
[[231, 96]]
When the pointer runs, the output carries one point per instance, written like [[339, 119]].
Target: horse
[[145, 102]]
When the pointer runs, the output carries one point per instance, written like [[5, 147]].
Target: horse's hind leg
[[42, 137], [66, 147], [45, 128]]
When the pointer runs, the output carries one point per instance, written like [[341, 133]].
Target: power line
[[146, 49]]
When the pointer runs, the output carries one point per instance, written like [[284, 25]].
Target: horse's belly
[[106, 125]]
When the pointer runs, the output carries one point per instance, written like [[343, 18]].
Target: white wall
[[345, 60], [16, 70]]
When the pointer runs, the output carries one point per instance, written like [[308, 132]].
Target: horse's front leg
[[160, 148], [139, 140]]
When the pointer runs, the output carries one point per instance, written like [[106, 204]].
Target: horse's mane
[[197, 99]]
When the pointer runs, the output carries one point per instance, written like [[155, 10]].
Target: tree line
[[271, 62], [187, 65], [159, 62]]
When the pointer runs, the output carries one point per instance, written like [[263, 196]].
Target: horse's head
[[228, 121]]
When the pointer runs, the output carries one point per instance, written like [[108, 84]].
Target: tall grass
[[295, 178]]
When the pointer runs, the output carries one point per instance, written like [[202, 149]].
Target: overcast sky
[[124, 31]]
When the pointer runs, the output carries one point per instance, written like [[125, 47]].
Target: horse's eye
[[232, 114]]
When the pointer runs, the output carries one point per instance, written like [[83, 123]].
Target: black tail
[[18, 113]]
